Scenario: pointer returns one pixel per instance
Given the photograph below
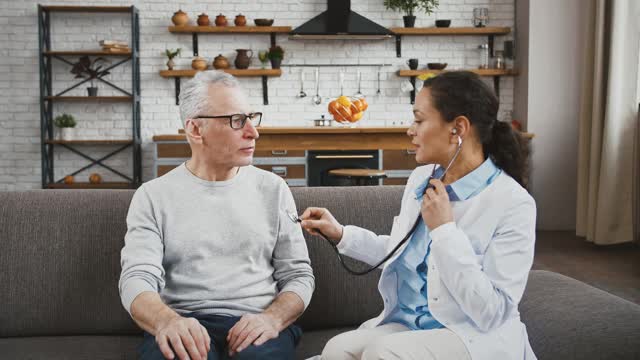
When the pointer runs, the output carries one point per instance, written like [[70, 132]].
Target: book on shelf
[[117, 50]]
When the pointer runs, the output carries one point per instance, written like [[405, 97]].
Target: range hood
[[340, 23]]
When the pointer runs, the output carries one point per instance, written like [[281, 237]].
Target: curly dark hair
[[463, 93]]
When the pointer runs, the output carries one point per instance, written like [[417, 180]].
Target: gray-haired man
[[212, 267]]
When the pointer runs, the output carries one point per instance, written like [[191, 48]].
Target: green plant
[[65, 121], [408, 6], [85, 67], [275, 52], [172, 53]]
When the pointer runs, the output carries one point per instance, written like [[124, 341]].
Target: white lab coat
[[478, 265]]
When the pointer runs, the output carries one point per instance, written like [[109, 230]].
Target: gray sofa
[[60, 260]]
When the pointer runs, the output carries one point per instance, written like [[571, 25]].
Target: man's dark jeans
[[282, 347]]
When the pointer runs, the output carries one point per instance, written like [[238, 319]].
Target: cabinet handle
[[279, 170], [411, 152], [344, 157], [278, 152]]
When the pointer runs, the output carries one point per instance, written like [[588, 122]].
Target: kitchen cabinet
[[284, 150]]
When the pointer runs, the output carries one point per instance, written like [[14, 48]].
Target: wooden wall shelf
[[495, 73], [451, 31], [263, 73], [234, 72], [89, 142], [490, 32], [88, 9], [87, 53], [230, 29], [481, 72], [90, 98]]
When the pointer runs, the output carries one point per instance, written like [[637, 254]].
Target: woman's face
[[430, 133]]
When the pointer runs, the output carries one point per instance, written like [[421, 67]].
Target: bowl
[[436, 66], [443, 23], [263, 22]]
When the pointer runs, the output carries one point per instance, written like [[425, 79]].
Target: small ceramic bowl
[[263, 22], [443, 23], [436, 66]]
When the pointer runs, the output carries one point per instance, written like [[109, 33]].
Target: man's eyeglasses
[[237, 121]]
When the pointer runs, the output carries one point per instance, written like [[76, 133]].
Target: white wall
[[19, 103], [555, 69]]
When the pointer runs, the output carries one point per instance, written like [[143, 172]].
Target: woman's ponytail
[[509, 151]]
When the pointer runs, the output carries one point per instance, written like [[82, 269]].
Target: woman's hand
[[314, 219], [436, 208]]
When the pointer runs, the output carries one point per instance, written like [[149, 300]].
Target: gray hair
[[194, 93]]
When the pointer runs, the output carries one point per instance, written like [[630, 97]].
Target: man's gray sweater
[[215, 247]]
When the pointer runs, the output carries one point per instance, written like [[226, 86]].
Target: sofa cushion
[[71, 347], [568, 319], [60, 254]]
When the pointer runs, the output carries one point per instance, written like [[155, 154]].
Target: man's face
[[221, 144]]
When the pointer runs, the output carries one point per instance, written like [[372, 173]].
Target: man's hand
[[252, 329], [436, 207], [188, 338]]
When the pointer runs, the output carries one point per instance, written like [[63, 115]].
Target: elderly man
[[212, 267]]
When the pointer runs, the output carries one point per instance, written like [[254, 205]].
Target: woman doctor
[[452, 290]]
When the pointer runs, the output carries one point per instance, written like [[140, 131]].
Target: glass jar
[[480, 17], [484, 56]]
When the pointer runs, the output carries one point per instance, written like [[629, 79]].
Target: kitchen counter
[[325, 138]]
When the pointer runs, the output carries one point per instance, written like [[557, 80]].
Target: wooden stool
[[359, 176]]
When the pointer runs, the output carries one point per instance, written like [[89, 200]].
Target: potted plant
[[65, 123], [409, 6], [87, 68], [275, 55], [171, 54]]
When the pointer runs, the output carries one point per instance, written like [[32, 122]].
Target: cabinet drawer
[[286, 171], [177, 150], [278, 153], [395, 181], [399, 160]]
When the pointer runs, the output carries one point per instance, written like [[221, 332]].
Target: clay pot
[[95, 178], [240, 20], [221, 62], [221, 20], [199, 63], [180, 18], [203, 20], [242, 59]]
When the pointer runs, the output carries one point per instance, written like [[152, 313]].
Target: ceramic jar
[[240, 20], [180, 18], [221, 62], [203, 19], [199, 63], [221, 20]]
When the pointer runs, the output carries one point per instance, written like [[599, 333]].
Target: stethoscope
[[294, 217]]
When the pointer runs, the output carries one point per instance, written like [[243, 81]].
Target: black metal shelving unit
[[48, 99]]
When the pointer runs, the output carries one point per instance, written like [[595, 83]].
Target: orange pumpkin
[[95, 178]]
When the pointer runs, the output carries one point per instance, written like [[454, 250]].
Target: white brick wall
[[19, 72]]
